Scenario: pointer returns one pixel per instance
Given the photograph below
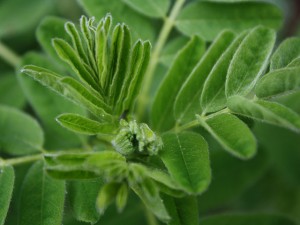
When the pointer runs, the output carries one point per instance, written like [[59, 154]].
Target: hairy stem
[[9, 56], [21, 160], [162, 38]]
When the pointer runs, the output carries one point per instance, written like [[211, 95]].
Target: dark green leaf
[[233, 135], [184, 211], [19, 134], [238, 219], [287, 51], [162, 109], [7, 177], [279, 82], [83, 125], [186, 157], [269, 112], [42, 198], [250, 61], [141, 27], [208, 19], [151, 8], [187, 102], [83, 196], [213, 96]]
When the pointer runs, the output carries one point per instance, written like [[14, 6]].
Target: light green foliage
[[207, 19], [151, 8], [279, 82], [187, 102], [20, 134], [162, 108], [186, 157], [287, 51], [227, 130], [249, 61], [39, 193], [7, 178], [269, 112], [82, 196]]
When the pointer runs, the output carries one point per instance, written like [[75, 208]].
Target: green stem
[[150, 217], [9, 56], [162, 38], [20, 160]]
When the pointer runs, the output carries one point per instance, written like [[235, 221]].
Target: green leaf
[[269, 112], [139, 60], [7, 177], [29, 13], [141, 26], [279, 82], [10, 92], [250, 61], [184, 152], [107, 196], [40, 98], [83, 125], [122, 196], [155, 205], [162, 109], [151, 8], [20, 134], [40, 194], [265, 219], [294, 63], [213, 96], [49, 28], [208, 19], [287, 51], [83, 196], [187, 102], [233, 135], [182, 210], [86, 98], [68, 55]]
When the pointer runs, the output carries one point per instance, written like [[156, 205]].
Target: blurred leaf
[[20, 134], [162, 109], [39, 194], [83, 125], [122, 197], [250, 61], [83, 196], [269, 112], [287, 51], [10, 92], [208, 19], [18, 16], [140, 26], [187, 102], [182, 210], [184, 152], [106, 196], [7, 177], [151, 8], [40, 98], [232, 134], [213, 94], [279, 82]]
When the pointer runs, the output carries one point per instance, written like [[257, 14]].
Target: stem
[[150, 217], [20, 160], [162, 38], [9, 56]]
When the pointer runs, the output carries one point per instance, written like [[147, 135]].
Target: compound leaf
[[186, 157], [208, 19], [7, 178], [20, 134], [162, 108], [249, 61], [233, 135], [42, 198], [269, 112]]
